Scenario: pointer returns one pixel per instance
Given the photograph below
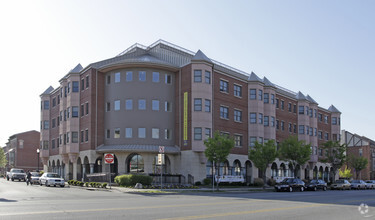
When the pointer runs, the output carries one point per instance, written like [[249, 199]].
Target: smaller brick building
[[21, 151], [361, 146]]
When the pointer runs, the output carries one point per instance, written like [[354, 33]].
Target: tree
[[335, 155], [295, 152], [346, 173], [3, 159], [262, 155], [217, 149], [358, 163]]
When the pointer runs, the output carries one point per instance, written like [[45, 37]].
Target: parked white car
[[358, 184], [370, 184], [51, 179]]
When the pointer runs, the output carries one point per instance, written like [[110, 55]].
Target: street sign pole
[[161, 163], [161, 176], [109, 159]]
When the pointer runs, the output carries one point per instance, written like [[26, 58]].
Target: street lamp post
[[38, 151]]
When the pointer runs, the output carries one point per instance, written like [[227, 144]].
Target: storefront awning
[[137, 148]]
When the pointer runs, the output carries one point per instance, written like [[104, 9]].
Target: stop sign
[[109, 158]]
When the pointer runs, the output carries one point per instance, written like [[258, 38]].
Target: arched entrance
[[224, 168], [331, 176], [325, 175], [320, 173], [79, 169], [307, 172], [236, 169], [135, 163], [274, 170], [249, 171], [282, 170], [166, 167], [114, 167], [290, 170], [315, 173], [98, 165]]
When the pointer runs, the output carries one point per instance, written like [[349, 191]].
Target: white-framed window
[[128, 132], [207, 77], [155, 77], [141, 104], [224, 87], [260, 94], [117, 77], [129, 76], [197, 133], [266, 121], [260, 118], [168, 79], [207, 132], [253, 94], [197, 104], [117, 133], [155, 133], [238, 140], [266, 98], [224, 112], [167, 106], [207, 105], [141, 132], [155, 105], [237, 115], [167, 134], [142, 76], [197, 75], [129, 104], [117, 105], [253, 118], [252, 141], [237, 90]]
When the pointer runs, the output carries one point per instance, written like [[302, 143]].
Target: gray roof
[[76, 69], [200, 56], [301, 96], [48, 91], [267, 82], [137, 148], [333, 109], [311, 99], [254, 78]]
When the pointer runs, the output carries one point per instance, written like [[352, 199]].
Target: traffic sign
[[109, 158], [161, 149], [160, 159]]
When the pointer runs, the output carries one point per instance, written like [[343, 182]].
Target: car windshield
[[35, 174], [356, 181], [288, 180], [340, 181], [54, 175], [368, 181], [314, 181], [18, 171]]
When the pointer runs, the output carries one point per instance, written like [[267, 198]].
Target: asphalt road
[[18, 201]]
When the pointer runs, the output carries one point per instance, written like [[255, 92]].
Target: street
[[19, 201]]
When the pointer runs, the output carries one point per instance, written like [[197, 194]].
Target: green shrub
[[70, 182], [271, 182], [91, 184], [98, 185], [207, 181], [87, 184], [132, 179], [198, 183], [104, 185], [258, 182]]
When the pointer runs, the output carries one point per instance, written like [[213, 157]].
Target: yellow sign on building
[[185, 129]]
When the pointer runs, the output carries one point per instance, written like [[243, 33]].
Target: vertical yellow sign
[[185, 118]]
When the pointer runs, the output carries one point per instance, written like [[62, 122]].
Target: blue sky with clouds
[[322, 48]]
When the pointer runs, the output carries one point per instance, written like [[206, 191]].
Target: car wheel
[[302, 189], [324, 188], [315, 188], [290, 189], [12, 179], [61, 185], [46, 183]]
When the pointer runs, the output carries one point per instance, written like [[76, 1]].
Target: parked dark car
[[316, 184], [290, 184]]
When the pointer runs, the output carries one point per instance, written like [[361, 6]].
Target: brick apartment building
[[165, 95], [360, 146], [21, 151]]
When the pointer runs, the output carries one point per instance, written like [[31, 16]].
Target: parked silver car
[[358, 184], [51, 179], [370, 184]]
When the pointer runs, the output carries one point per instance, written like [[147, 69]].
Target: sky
[[322, 48]]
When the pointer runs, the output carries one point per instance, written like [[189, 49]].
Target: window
[[320, 135], [82, 137], [253, 118], [129, 76], [53, 122], [326, 119], [65, 91], [108, 134], [129, 104], [117, 77], [46, 105], [266, 98], [295, 128], [360, 152], [253, 94], [141, 132], [238, 140], [82, 84], [282, 104], [108, 108], [58, 99], [53, 143], [207, 132], [320, 152], [307, 130], [155, 105], [326, 136], [46, 125], [117, 133], [82, 110], [315, 113], [260, 140], [266, 121], [197, 75], [87, 135], [294, 108], [155, 133], [167, 106], [272, 99], [87, 82], [68, 112], [252, 141], [282, 125], [155, 77], [260, 94], [141, 104], [207, 77], [87, 108], [290, 127], [197, 104], [272, 121], [224, 86], [197, 133], [334, 120], [74, 137], [75, 111], [64, 115], [301, 109], [68, 87], [224, 112], [117, 105], [168, 79], [320, 117], [315, 132], [311, 112], [260, 118], [290, 107], [237, 115], [311, 131], [207, 105], [237, 90], [128, 132], [142, 76], [167, 134], [108, 79], [301, 129], [75, 86]]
